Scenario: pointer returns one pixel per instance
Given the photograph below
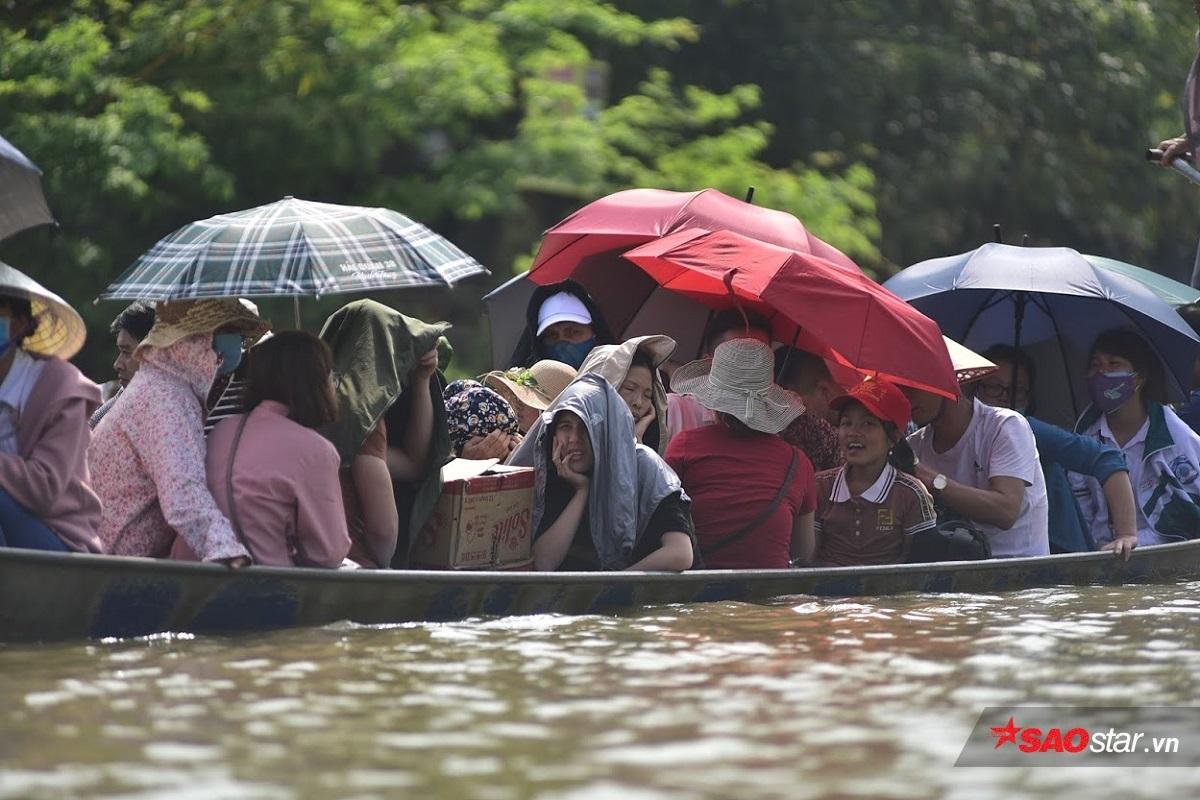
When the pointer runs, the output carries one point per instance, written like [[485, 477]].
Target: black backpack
[[951, 540]]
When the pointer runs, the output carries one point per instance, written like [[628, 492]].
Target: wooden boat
[[58, 596]]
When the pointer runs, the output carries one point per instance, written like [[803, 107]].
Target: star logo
[[1005, 734]]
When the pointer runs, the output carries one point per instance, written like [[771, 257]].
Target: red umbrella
[[602, 230], [811, 302]]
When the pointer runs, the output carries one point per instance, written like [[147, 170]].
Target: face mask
[[229, 347], [571, 353], [1111, 390], [6, 343]]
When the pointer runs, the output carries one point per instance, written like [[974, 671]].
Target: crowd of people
[[225, 442]]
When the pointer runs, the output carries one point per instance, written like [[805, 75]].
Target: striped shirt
[[230, 403], [874, 528]]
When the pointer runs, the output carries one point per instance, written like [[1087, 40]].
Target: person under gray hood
[[601, 500]]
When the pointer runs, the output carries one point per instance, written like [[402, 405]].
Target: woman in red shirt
[[752, 493]]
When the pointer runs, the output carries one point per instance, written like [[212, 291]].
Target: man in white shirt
[[981, 463]]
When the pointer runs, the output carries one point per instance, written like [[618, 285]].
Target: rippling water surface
[[800, 699]]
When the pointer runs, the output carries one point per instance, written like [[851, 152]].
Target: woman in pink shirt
[[272, 474]]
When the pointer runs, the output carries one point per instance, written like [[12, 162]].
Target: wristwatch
[[939, 482]]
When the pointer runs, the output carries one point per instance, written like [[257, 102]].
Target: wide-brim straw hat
[[968, 365], [60, 330], [535, 386], [739, 380], [176, 319]]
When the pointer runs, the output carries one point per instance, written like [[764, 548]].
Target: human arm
[[1171, 150], [804, 539], [998, 505], [407, 463], [497, 444], [322, 539], [674, 554], [37, 482], [1087, 456], [642, 424], [1118, 493], [171, 448], [377, 502], [551, 547]]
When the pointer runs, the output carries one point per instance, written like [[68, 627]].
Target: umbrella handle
[[1180, 165], [727, 279]]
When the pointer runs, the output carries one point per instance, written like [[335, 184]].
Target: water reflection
[[801, 698]]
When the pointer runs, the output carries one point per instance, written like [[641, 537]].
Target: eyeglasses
[[1002, 392]]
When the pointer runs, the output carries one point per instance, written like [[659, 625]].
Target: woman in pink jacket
[[147, 454], [273, 475], [46, 502]]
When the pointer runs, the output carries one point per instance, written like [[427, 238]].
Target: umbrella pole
[[1018, 321], [296, 308]]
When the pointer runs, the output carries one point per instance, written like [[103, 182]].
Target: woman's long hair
[[901, 456], [292, 368]]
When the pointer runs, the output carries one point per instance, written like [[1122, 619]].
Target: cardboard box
[[481, 521]]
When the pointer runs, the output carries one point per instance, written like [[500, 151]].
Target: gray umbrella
[[22, 204]]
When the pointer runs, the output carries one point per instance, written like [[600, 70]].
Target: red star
[[1006, 734]]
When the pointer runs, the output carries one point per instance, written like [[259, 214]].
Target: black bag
[[951, 540]]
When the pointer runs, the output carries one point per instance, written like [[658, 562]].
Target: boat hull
[[63, 596]]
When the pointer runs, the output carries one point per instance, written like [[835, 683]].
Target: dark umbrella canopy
[[294, 248], [1048, 299], [22, 204]]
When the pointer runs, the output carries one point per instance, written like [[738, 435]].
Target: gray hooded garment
[[623, 469]]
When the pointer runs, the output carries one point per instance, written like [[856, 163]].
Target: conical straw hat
[[60, 330]]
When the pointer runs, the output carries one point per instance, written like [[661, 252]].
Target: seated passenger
[[147, 454], [869, 510], [130, 327], [602, 501], [482, 424], [632, 369], [813, 431], [981, 465], [752, 493], [391, 431], [685, 413], [273, 476], [530, 390], [562, 324], [1127, 389], [46, 497], [1061, 452]]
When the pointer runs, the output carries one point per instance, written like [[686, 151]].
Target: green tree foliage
[[487, 120], [1029, 113]]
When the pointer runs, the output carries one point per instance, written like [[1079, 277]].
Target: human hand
[[642, 424], [576, 480], [237, 562], [495, 445], [1122, 546], [426, 365], [925, 475], [1172, 149]]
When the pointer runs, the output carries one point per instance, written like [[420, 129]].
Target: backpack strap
[[763, 515]]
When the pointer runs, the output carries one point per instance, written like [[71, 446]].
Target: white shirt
[[997, 443], [14, 394]]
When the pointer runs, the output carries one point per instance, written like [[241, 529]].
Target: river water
[[802, 698]]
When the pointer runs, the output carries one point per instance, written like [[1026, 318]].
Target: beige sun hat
[[535, 386], [60, 330], [968, 365], [175, 319], [739, 380]]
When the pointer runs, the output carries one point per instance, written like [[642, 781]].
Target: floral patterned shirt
[[817, 438], [147, 459]]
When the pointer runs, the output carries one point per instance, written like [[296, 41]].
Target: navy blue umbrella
[[1051, 301]]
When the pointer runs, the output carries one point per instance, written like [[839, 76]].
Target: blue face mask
[[229, 347], [571, 353], [6, 343]]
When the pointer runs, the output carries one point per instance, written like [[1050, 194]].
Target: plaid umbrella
[[22, 204], [294, 248]]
